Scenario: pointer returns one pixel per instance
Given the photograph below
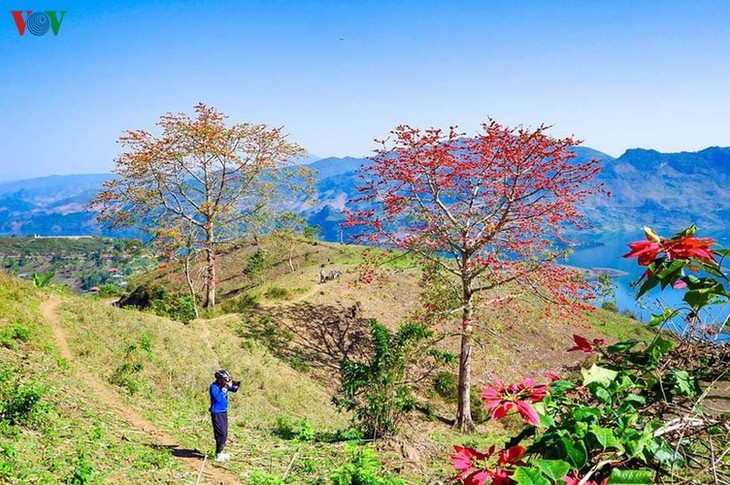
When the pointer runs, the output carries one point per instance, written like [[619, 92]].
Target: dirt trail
[[157, 438]]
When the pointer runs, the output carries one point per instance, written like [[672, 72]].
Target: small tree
[[486, 210], [378, 391], [199, 174]]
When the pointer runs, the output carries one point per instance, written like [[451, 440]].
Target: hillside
[[143, 377], [647, 187]]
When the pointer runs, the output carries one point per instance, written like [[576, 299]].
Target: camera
[[236, 383]]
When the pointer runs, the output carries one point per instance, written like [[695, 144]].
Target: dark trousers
[[220, 430]]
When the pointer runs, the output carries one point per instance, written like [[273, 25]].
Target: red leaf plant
[[582, 344], [474, 469], [503, 398], [682, 246]]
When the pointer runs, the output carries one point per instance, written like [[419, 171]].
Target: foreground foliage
[[636, 414]]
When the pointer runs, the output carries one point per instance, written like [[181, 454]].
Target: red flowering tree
[[487, 210]]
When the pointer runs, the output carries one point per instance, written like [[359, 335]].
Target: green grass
[[69, 434]]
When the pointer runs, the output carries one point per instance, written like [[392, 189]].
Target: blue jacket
[[219, 397]]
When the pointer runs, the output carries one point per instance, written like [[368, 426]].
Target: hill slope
[[125, 391]]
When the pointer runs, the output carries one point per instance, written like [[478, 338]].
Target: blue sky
[[617, 74]]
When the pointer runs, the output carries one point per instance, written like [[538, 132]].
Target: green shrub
[[300, 430], [256, 264], [240, 304], [277, 293], [124, 376], [478, 413], [378, 391], [42, 280], [13, 333], [258, 477], [82, 471], [110, 289], [446, 385], [21, 401], [362, 468]]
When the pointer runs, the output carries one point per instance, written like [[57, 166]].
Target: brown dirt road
[[157, 438]]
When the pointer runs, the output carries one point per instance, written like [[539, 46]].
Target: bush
[[378, 391], [82, 471], [362, 468], [240, 304], [256, 264], [300, 430], [446, 385], [277, 293], [124, 376], [610, 306], [15, 332], [21, 401]]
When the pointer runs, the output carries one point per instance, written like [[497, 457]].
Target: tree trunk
[[189, 279], [291, 258], [210, 262], [464, 421]]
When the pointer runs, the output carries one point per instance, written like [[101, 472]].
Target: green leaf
[[658, 319], [684, 384], [631, 477], [586, 413], [553, 469], [576, 452], [623, 346], [660, 347], [529, 476], [605, 437], [602, 395], [689, 232], [598, 374]]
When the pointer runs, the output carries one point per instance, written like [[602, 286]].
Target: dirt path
[[157, 438]]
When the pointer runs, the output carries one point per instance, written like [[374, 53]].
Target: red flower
[[551, 375], [582, 344], [501, 399], [466, 461], [689, 247], [512, 456], [472, 466], [646, 251]]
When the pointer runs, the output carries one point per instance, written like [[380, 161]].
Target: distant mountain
[[663, 190]]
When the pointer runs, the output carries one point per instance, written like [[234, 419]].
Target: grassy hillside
[[121, 397]]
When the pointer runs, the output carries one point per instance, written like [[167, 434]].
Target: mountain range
[[666, 191]]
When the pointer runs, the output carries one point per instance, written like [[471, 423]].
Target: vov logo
[[38, 23]]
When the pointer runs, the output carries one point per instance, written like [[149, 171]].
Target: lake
[[609, 255]]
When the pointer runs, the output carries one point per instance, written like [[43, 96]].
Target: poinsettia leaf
[[575, 451], [530, 476], [621, 347], [660, 347], [598, 374], [631, 477], [553, 469], [605, 437]]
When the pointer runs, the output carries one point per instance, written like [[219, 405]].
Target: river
[[608, 254]]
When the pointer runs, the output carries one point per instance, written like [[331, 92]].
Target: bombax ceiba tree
[[201, 181]]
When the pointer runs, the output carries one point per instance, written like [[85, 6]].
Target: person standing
[[219, 410]]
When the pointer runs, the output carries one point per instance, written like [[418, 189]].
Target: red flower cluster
[[502, 398], [473, 469], [582, 344], [679, 247]]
